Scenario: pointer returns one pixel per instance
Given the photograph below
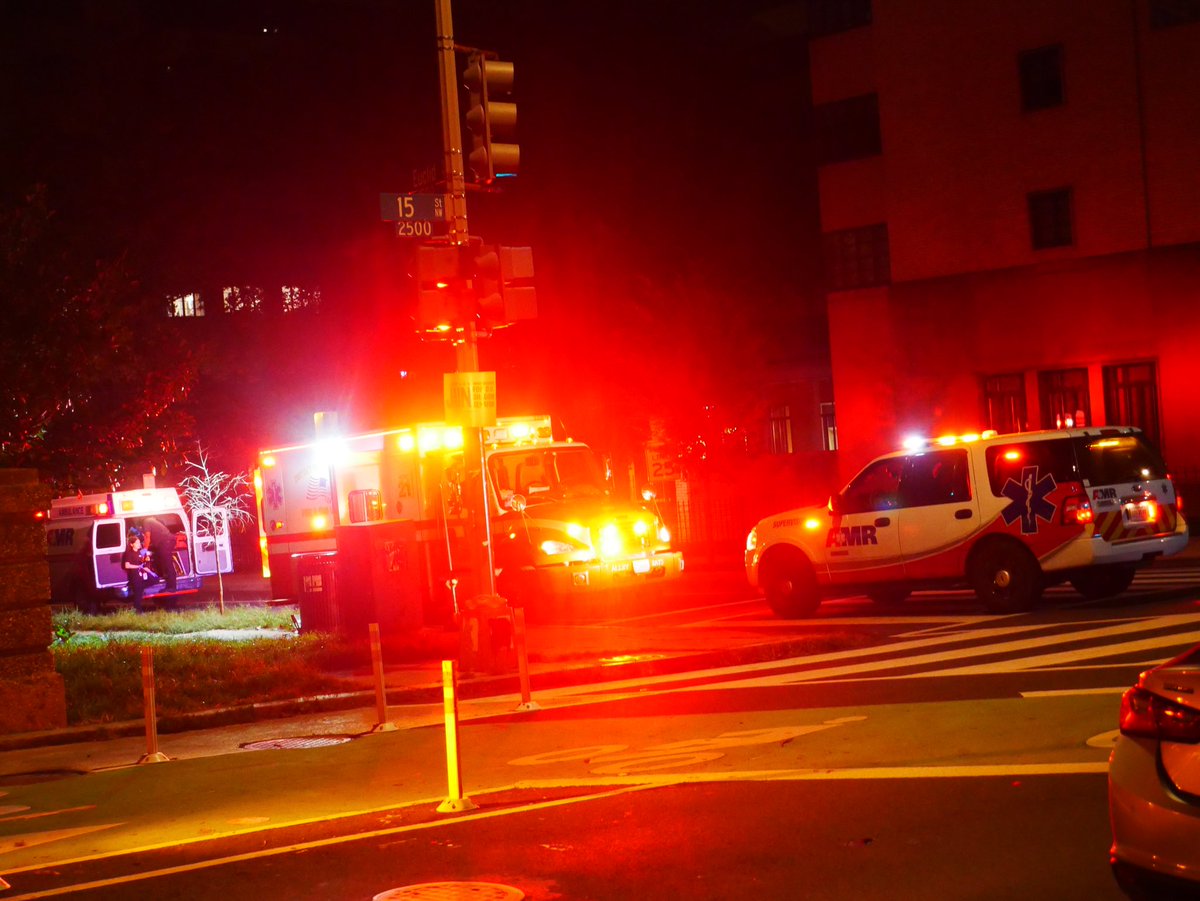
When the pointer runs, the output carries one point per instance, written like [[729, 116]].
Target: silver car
[[1154, 783]]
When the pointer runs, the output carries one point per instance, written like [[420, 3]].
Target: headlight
[[610, 541], [752, 539], [552, 548]]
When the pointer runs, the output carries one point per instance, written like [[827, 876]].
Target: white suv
[[1005, 514]]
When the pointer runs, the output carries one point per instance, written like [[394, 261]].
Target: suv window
[[1055, 456], [938, 477], [875, 488], [1114, 459]]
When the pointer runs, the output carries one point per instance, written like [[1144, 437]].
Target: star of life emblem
[[1028, 500]]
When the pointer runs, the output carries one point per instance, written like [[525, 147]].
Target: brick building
[[1010, 211]]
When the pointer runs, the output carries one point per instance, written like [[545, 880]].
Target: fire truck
[[86, 536], [385, 512]]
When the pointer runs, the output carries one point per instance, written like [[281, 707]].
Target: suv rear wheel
[[1005, 576], [1107, 581], [789, 583]]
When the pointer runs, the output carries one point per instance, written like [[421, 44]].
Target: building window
[[781, 429], [1004, 406], [1041, 76], [828, 428], [1064, 398], [240, 300], [847, 129], [1050, 223], [857, 257], [296, 298], [1131, 397], [832, 16], [1169, 13], [186, 305]]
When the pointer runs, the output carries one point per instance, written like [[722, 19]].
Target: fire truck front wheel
[[1005, 576], [789, 583]]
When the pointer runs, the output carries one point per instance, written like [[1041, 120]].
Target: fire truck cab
[[86, 536], [555, 525]]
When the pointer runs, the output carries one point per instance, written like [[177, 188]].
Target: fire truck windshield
[[544, 474]]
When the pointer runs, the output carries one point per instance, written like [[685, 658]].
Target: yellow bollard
[[381, 723], [456, 801], [152, 755]]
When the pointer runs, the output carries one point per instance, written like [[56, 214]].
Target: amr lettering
[[850, 536]]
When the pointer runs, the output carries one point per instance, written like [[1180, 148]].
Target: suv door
[[939, 511], [863, 543]]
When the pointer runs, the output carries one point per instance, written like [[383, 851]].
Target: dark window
[[1064, 398], [831, 16], [1118, 459], [781, 429], [938, 477], [875, 488], [857, 257], [365, 505], [1004, 407], [847, 129], [1028, 460], [1041, 78], [110, 536], [1131, 397], [1169, 13], [828, 427], [1050, 219]]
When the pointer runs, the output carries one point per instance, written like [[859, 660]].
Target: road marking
[[29, 839], [1070, 692]]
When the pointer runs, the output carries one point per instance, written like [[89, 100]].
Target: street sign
[[470, 398], [415, 215]]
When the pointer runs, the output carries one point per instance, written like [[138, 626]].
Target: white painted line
[[1071, 692]]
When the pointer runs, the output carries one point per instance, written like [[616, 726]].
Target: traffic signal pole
[[467, 351], [451, 130]]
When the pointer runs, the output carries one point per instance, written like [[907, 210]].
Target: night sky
[[666, 181]]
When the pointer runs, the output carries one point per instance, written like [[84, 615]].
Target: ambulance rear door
[[211, 545], [108, 546]]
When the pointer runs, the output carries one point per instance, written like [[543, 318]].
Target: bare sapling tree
[[218, 500]]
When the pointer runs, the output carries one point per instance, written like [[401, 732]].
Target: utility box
[[379, 578], [317, 575]]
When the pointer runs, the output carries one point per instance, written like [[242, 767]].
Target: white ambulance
[[86, 536], [1004, 514]]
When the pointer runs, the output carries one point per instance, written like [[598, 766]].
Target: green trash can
[[317, 578]]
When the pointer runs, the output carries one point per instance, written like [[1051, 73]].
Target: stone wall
[[32, 697]]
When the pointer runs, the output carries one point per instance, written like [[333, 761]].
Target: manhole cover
[[300, 741], [37, 776], [452, 891]]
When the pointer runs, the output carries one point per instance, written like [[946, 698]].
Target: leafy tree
[[207, 490], [94, 376]]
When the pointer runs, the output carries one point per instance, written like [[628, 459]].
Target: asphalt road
[[959, 756]]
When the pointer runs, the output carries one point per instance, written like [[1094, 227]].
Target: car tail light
[[1146, 715], [1078, 509]]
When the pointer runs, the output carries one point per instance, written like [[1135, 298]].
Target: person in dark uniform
[[161, 541], [132, 561]]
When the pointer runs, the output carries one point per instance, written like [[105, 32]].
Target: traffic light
[[491, 120], [502, 283], [441, 294]]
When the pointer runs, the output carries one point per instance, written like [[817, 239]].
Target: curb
[[468, 687]]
